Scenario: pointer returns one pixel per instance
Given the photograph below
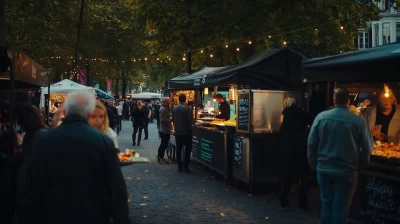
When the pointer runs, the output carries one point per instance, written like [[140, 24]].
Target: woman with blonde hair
[[99, 120], [294, 164], [139, 122]]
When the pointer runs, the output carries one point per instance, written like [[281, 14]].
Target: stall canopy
[[371, 65], [28, 73], [100, 93], [146, 96], [191, 80], [63, 87], [277, 69]]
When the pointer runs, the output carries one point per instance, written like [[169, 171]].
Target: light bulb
[[386, 95], [184, 59], [237, 49], [249, 42], [211, 55], [269, 36], [226, 46], [284, 42], [341, 27], [201, 51]]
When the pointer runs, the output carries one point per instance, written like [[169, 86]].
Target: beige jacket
[[394, 127]]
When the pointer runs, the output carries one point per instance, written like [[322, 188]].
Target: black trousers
[[119, 123], [137, 128], [183, 140], [146, 129], [164, 144], [286, 185]]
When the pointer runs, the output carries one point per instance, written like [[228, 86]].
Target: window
[[376, 34], [397, 32], [363, 40], [385, 33]]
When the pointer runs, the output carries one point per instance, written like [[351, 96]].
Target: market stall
[[102, 94], [376, 200], [146, 96], [225, 145], [60, 90]]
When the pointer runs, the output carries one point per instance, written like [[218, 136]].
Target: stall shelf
[[377, 196]]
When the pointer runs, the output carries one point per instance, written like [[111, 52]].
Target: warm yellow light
[[184, 59], [158, 59], [316, 29], [341, 27], [201, 51], [249, 42], [211, 55], [145, 59], [386, 95], [226, 46], [284, 42], [387, 90], [270, 36], [134, 59], [237, 49], [169, 59], [206, 91]]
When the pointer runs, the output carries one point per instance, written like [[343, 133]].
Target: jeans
[[183, 140], [164, 144], [119, 126], [337, 194], [135, 130]]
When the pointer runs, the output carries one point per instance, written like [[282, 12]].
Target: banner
[[109, 86], [82, 76]]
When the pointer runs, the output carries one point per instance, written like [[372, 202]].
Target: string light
[[270, 36], [249, 42], [184, 59], [211, 55], [316, 29], [341, 27], [237, 49], [201, 51], [284, 42], [145, 59], [158, 59], [226, 46]]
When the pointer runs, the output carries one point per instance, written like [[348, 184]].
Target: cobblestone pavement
[[159, 194]]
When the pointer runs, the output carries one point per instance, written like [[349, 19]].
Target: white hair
[[80, 103], [288, 102]]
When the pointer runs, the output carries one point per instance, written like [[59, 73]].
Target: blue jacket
[[339, 142]]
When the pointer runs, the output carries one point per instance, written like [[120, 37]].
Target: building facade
[[384, 31]]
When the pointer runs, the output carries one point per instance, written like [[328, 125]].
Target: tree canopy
[[122, 34]]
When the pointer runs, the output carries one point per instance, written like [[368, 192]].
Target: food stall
[[377, 196], [225, 146], [60, 90]]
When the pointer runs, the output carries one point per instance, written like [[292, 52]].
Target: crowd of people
[[66, 173]]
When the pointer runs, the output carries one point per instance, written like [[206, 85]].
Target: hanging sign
[[109, 86]]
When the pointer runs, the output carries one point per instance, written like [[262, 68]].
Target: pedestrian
[[293, 153], [165, 129], [139, 120], [339, 145], [74, 175], [182, 118], [119, 117], [157, 113], [147, 112], [125, 109], [99, 120]]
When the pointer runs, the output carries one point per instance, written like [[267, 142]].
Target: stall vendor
[[384, 119], [224, 109]]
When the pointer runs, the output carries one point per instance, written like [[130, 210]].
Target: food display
[[222, 122], [189, 96], [128, 156], [387, 150]]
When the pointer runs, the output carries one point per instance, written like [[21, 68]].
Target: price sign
[[243, 112]]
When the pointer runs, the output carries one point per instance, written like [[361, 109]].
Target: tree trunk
[[78, 40], [124, 83], [117, 88], [2, 23]]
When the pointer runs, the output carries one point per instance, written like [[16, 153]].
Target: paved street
[[159, 194]]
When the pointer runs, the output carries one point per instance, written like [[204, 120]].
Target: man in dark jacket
[[74, 175], [156, 113], [147, 112], [182, 117]]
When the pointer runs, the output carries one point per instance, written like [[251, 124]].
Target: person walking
[[165, 129], [182, 118], [157, 114], [85, 186], [339, 145], [147, 112], [294, 164], [139, 119], [119, 117]]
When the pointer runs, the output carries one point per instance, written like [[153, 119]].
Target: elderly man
[[164, 129], [339, 145], [74, 175]]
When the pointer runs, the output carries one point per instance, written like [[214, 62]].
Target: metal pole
[[47, 105], [189, 49], [78, 40]]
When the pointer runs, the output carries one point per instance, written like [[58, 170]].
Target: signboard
[[243, 112], [238, 152], [197, 81], [209, 148], [109, 86], [379, 198]]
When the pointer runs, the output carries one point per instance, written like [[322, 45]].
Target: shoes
[[187, 170], [145, 138], [138, 144], [163, 161], [134, 144]]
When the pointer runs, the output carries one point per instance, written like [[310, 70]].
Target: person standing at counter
[[384, 119], [182, 118], [339, 145], [224, 109]]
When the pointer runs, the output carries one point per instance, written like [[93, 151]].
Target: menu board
[[243, 112], [379, 199], [238, 152], [208, 148]]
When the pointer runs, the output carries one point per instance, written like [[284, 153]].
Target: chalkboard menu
[[379, 199], [243, 112], [238, 152], [209, 148]]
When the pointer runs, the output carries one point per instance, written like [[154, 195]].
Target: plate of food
[[127, 158]]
